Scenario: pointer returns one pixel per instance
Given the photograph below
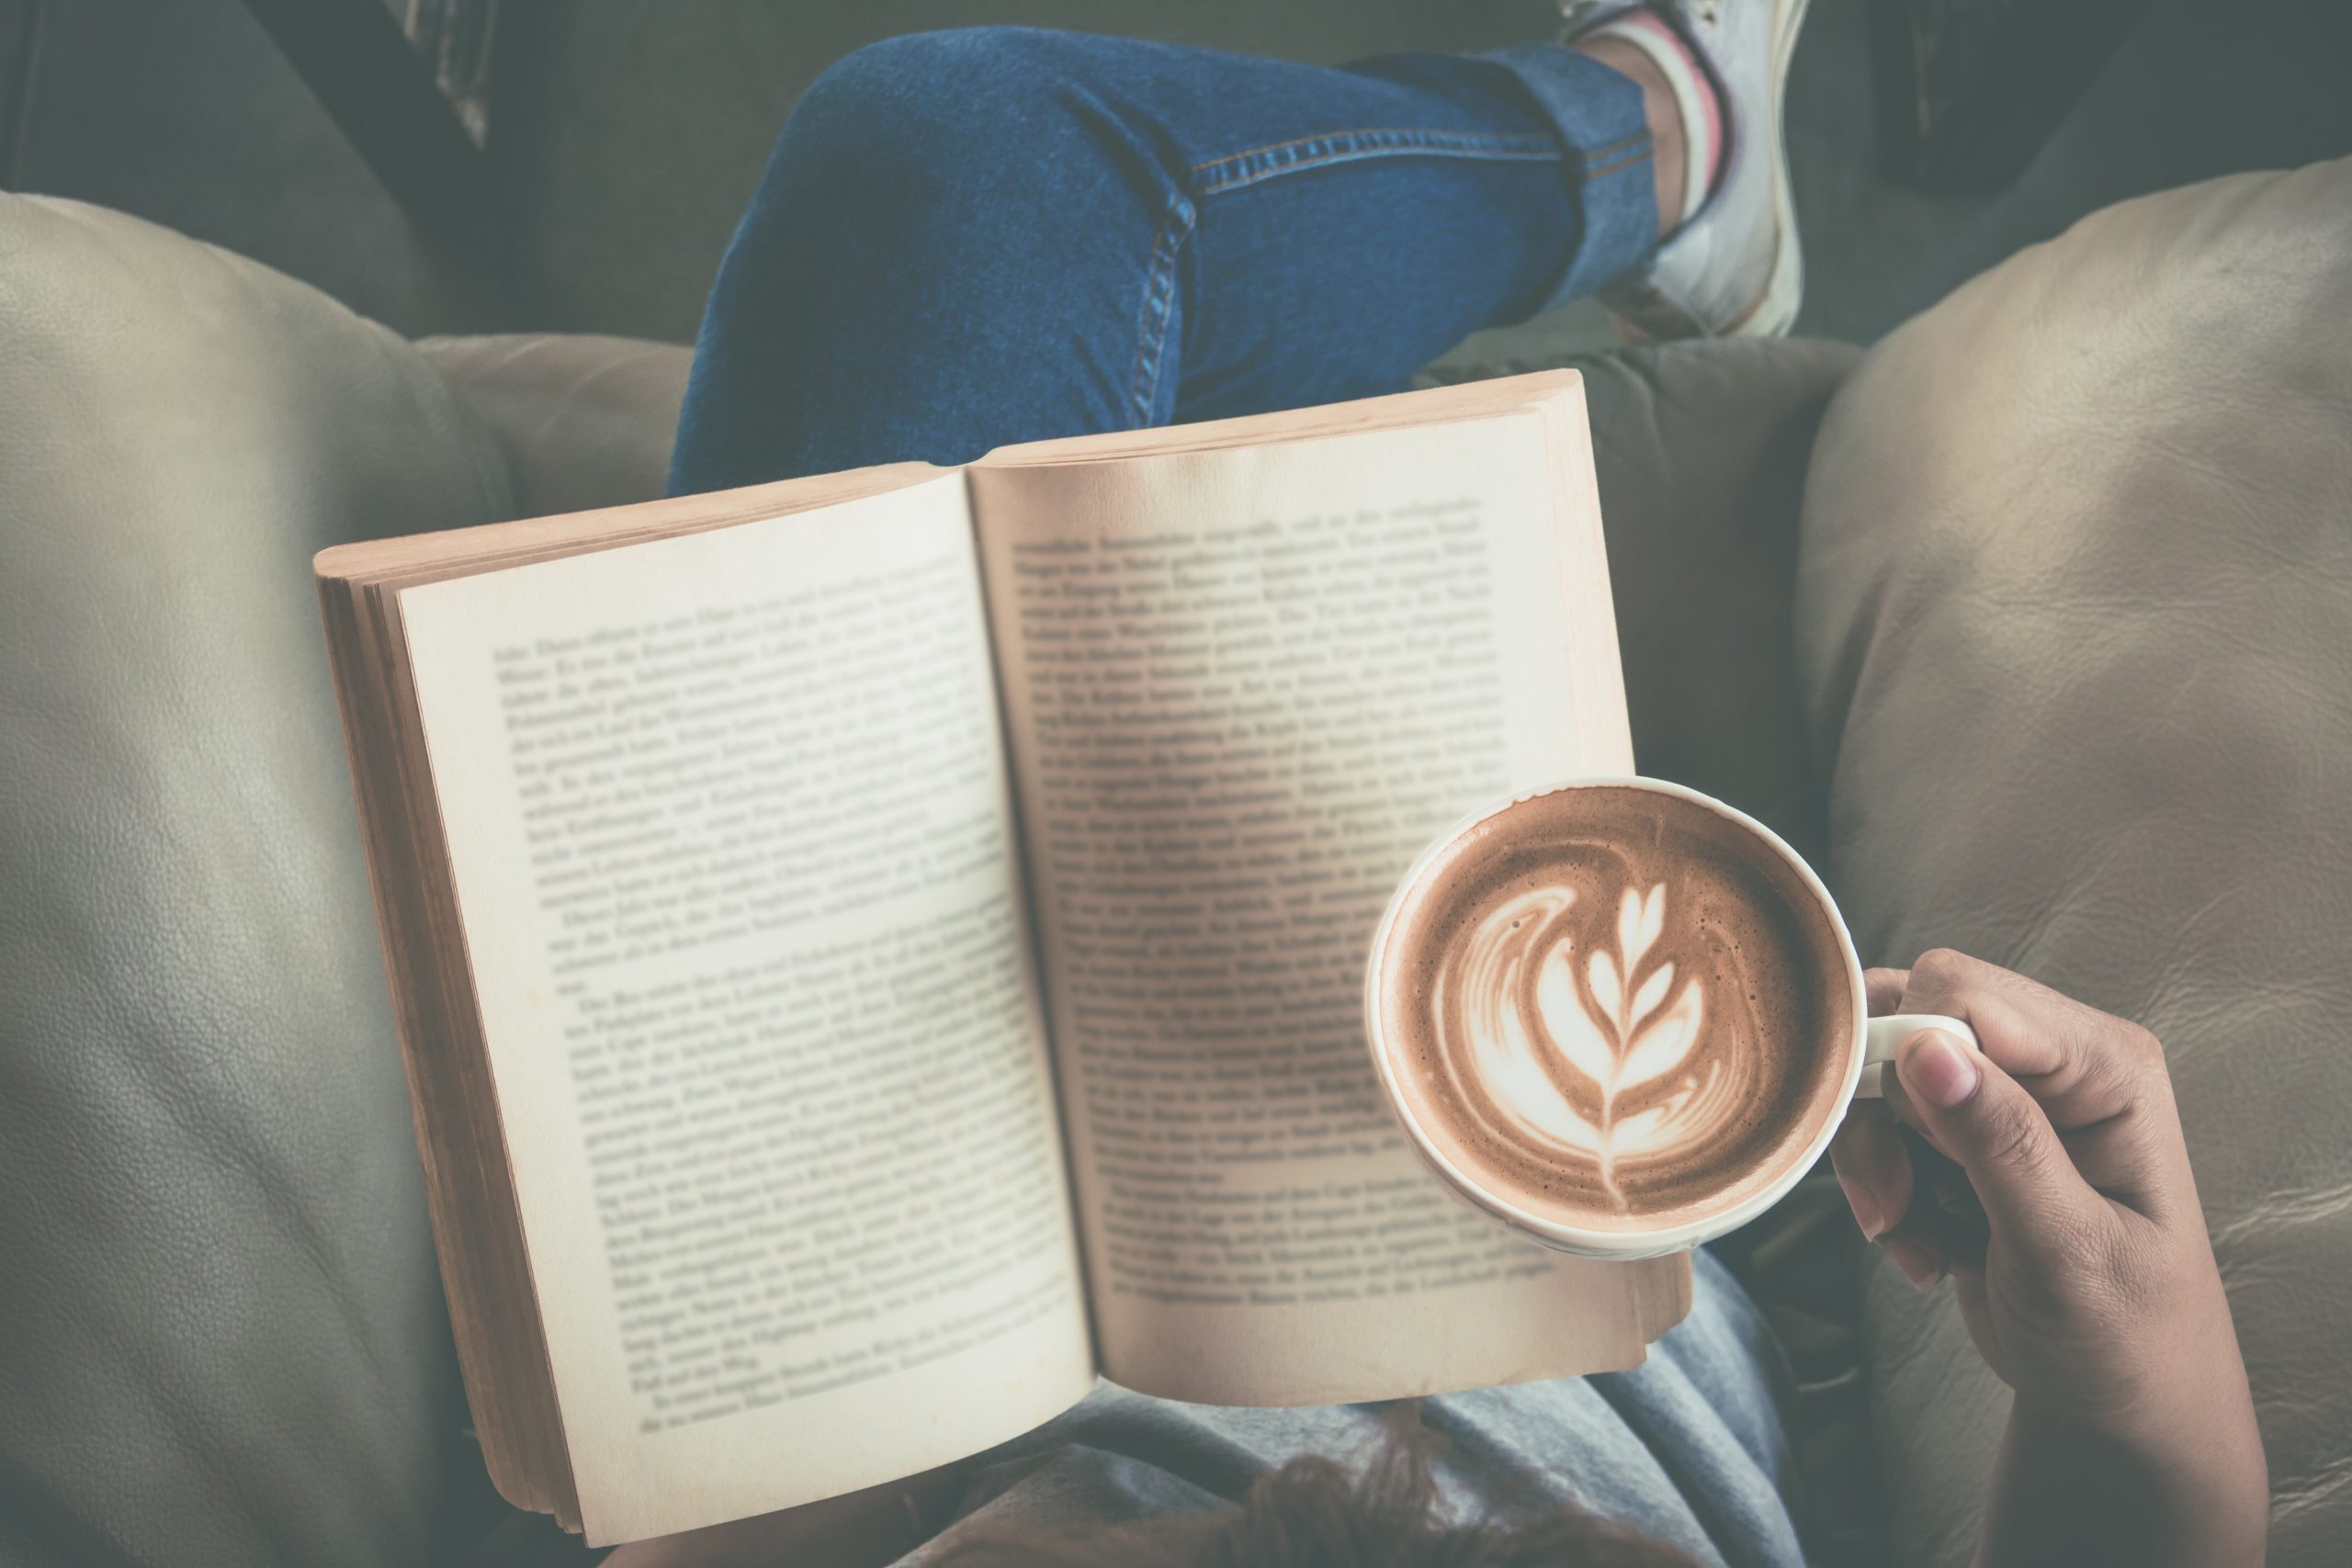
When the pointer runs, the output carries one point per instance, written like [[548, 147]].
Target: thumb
[[1998, 1134]]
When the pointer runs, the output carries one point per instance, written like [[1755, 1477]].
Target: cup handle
[[1884, 1035]]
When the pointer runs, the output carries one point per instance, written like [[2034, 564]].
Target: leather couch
[[2033, 623]]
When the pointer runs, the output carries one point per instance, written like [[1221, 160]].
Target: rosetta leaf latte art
[[1643, 1043], [1600, 1065], [1618, 1007]]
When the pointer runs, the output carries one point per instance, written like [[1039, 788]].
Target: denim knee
[[955, 107]]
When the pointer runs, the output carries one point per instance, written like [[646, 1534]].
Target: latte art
[[1613, 1005], [1582, 1042]]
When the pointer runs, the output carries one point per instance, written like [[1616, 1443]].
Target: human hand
[[2046, 1175]]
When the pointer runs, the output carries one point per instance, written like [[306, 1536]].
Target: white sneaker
[[1736, 269]]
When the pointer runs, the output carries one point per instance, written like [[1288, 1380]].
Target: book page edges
[[1420, 409], [490, 546], [477, 1228], [477, 1224]]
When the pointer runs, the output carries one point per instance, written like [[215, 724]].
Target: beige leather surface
[[2076, 628], [580, 420], [221, 1334]]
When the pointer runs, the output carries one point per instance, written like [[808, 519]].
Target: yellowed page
[[734, 857], [1244, 688]]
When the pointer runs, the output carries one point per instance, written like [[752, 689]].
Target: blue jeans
[[999, 234]]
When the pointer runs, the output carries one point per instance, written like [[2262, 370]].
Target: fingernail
[[1940, 1070], [1865, 1208], [1916, 1267]]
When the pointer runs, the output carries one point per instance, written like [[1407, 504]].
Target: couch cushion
[[222, 1333], [580, 420], [2076, 625]]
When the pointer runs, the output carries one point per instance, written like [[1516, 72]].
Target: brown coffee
[[1616, 1008]]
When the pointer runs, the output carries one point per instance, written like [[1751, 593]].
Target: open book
[[875, 953]]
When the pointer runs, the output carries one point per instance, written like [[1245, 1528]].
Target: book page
[[1245, 688], [734, 856]]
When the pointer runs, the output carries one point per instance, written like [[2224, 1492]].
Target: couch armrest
[[222, 1333], [580, 420], [2076, 617]]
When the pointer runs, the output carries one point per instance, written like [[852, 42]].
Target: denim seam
[[1610, 163], [1343, 146], [1158, 295]]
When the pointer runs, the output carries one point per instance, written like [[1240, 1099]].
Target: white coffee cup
[[1874, 1044]]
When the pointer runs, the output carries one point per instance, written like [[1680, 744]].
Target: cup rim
[[1626, 1245]]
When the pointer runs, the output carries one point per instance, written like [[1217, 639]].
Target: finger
[[2110, 1156], [1954, 1194], [1945, 1221], [1915, 1204], [2083, 1065], [2099, 1079], [1872, 1170], [1920, 1260], [1882, 990], [2032, 1195], [1929, 1245], [1897, 1101]]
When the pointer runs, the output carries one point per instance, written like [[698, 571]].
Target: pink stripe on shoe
[[1696, 86]]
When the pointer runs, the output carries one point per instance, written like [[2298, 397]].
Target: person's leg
[[966, 239]]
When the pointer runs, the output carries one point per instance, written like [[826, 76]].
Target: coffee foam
[[1616, 1007]]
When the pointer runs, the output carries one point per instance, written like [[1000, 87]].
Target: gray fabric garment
[[1690, 1447]]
